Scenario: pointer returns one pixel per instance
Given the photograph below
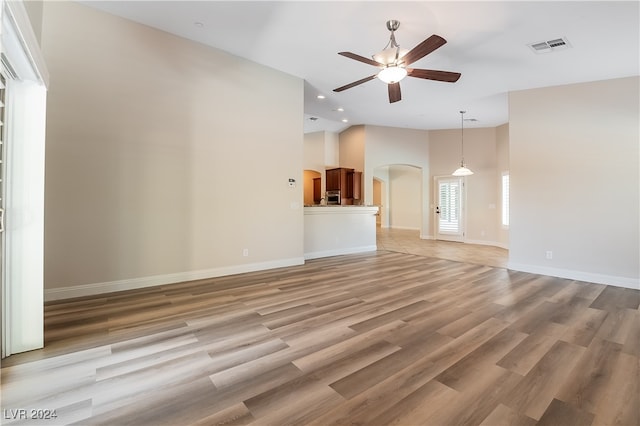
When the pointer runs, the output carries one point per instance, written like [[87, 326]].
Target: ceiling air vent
[[550, 45]]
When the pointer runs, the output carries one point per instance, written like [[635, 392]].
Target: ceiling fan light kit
[[392, 74], [393, 60], [462, 170]]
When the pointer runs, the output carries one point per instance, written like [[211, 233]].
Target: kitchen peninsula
[[335, 230]]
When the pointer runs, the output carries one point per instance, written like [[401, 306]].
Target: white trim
[[405, 228], [142, 282], [339, 252], [427, 237], [365, 210], [461, 237], [17, 14], [633, 283]]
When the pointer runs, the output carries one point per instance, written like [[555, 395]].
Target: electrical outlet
[[549, 255], [245, 252]]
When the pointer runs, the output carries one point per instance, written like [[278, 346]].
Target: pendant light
[[462, 170]]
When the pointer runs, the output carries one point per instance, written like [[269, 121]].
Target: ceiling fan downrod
[[392, 26]]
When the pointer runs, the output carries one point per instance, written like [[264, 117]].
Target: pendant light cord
[[462, 136]]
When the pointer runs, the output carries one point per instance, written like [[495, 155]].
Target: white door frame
[[459, 237], [23, 258]]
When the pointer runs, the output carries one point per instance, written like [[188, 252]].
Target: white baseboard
[[338, 252], [134, 283], [404, 228], [613, 280]]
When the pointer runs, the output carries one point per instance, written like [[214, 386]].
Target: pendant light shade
[[462, 170]]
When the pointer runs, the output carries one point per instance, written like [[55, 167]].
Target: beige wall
[[405, 197], [482, 196], [308, 177], [575, 184], [387, 147], [351, 148], [34, 10], [314, 147], [152, 169], [502, 166], [165, 158]]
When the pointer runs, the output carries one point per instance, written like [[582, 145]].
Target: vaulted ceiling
[[487, 42]]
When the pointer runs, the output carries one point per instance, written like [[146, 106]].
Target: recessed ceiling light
[[198, 24], [344, 120], [321, 96], [340, 109]]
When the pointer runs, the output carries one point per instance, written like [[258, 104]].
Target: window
[[505, 199]]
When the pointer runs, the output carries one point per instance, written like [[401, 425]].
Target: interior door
[[449, 208]]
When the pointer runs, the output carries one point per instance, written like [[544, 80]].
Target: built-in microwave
[[333, 197]]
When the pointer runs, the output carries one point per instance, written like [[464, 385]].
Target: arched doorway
[[400, 196], [312, 183]]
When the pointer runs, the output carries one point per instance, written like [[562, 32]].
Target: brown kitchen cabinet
[[317, 193], [357, 185], [333, 180], [347, 181]]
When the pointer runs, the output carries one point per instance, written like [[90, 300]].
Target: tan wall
[[389, 146], [314, 147], [164, 156], [34, 11], [309, 176], [482, 199], [575, 184], [405, 197], [502, 165], [351, 148]]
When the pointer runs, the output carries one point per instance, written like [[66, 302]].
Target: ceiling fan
[[393, 62]]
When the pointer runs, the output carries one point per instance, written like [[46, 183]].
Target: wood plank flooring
[[383, 338], [408, 241]]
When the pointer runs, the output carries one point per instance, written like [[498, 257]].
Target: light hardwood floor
[[372, 339], [408, 241]]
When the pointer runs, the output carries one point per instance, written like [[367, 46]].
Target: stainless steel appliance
[[333, 198]]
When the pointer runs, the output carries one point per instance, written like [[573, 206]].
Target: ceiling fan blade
[[360, 58], [394, 92], [355, 83], [446, 76], [423, 49]]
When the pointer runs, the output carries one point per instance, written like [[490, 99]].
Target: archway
[[312, 184], [401, 196]]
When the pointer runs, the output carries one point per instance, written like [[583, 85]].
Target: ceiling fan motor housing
[[393, 25]]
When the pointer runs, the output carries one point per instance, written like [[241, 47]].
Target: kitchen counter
[[334, 230]]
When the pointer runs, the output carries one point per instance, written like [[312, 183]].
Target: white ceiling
[[486, 42]]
